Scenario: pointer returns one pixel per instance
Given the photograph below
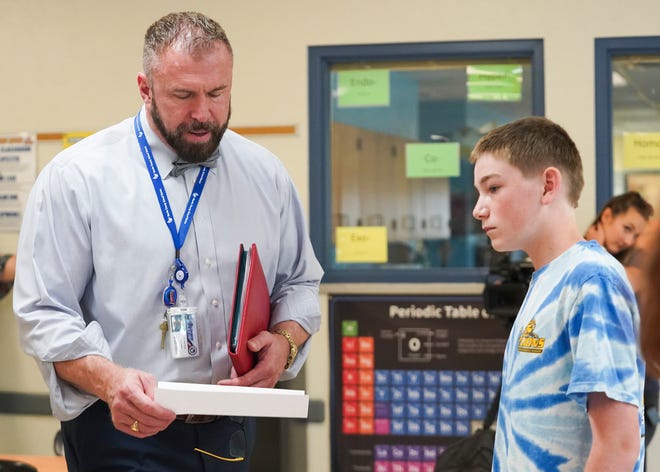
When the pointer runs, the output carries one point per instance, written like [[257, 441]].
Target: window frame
[[607, 49], [320, 61]]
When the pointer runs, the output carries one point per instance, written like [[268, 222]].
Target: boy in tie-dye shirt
[[572, 380]]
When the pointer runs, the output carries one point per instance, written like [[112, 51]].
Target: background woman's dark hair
[[622, 203]]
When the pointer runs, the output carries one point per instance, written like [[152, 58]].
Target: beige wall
[[70, 65]]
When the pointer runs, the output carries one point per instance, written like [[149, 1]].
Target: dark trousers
[[92, 444]]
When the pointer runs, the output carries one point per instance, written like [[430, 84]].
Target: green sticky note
[[425, 160], [349, 328], [363, 88], [494, 82]]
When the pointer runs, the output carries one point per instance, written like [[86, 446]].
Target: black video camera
[[507, 283]]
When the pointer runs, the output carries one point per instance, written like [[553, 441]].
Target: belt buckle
[[196, 419]]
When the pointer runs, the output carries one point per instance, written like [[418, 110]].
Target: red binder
[[250, 309]]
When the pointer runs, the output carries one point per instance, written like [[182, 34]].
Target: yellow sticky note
[[641, 151], [361, 244]]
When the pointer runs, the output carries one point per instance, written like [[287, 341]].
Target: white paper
[[200, 399]]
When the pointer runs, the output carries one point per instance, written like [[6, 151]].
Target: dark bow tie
[[180, 166]]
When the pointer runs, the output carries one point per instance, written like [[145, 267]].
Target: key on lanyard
[[163, 329]]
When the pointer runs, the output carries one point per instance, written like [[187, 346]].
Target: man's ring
[[135, 426]]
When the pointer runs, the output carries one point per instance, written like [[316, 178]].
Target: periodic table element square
[[349, 392], [349, 328], [366, 425], [366, 360], [413, 377], [398, 377], [349, 344], [366, 409], [430, 411], [382, 377], [349, 425], [350, 377], [349, 361], [382, 426], [382, 452], [366, 344], [350, 409], [365, 376], [382, 393], [462, 378], [446, 378], [429, 377], [429, 427]]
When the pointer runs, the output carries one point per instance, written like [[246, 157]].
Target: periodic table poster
[[410, 375]]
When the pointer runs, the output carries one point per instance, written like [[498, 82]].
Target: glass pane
[[636, 125], [400, 139]]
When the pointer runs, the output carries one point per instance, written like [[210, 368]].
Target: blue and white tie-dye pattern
[[575, 334]]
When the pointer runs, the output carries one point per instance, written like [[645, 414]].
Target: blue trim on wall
[[605, 50], [320, 61]]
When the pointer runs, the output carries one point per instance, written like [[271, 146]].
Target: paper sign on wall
[[18, 168], [69, 139], [641, 151], [494, 82], [361, 244], [432, 160], [363, 88]]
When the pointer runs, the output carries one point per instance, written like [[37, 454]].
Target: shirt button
[[218, 345], [215, 303], [208, 262]]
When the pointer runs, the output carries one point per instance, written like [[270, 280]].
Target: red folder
[[250, 309]]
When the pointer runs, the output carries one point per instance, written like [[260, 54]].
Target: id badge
[[183, 332]]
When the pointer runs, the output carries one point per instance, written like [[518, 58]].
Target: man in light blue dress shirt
[[115, 220]]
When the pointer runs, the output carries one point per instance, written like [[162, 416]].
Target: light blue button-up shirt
[[94, 256]]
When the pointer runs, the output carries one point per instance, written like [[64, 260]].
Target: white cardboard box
[[200, 399]]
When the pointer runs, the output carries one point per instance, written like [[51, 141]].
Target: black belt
[[198, 418]]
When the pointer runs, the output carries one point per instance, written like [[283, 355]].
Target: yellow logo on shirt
[[529, 340]]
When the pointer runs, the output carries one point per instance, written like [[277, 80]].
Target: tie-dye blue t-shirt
[[575, 334]]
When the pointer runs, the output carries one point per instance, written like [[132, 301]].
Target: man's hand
[[129, 393], [132, 407], [272, 351]]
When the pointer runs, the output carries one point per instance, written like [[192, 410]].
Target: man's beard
[[190, 152]]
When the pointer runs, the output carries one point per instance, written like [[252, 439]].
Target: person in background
[[635, 258], [634, 261], [127, 259], [7, 272], [559, 410], [620, 222], [650, 305], [622, 227]]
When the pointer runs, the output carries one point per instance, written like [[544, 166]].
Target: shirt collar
[[162, 152]]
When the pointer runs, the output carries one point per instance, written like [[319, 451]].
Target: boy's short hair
[[532, 144]]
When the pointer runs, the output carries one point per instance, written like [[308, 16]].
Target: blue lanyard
[[178, 237]]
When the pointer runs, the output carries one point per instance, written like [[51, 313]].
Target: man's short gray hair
[[186, 30]]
